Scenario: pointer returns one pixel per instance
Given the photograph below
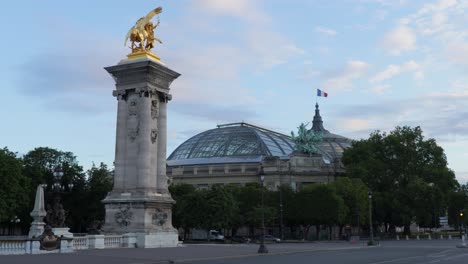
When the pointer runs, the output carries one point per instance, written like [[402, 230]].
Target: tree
[[221, 208], [183, 194], [320, 205], [99, 183], [14, 187], [248, 199], [39, 165], [395, 167], [355, 196]]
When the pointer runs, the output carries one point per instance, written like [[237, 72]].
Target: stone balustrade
[[113, 241], [28, 246], [80, 243], [14, 247]]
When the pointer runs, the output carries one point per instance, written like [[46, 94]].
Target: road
[[391, 252]]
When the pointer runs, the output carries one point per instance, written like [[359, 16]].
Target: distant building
[[239, 153]]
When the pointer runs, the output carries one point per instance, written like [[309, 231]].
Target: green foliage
[[321, 205], [215, 208], [186, 201], [221, 208], [14, 187], [306, 141], [39, 165], [355, 196], [407, 174], [99, 183]]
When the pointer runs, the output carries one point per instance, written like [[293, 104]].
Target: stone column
[[162, 145], [121, 128], [143, 160], [135, 205]]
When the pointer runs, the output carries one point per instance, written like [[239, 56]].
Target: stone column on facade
[[120, 146], [162, 145], [143, 159]]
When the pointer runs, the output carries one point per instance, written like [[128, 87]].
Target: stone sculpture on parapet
[[38, 213]]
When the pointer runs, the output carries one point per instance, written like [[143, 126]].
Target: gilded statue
[[141, 35]]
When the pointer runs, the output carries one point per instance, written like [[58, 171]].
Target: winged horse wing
[[150, 16], [137, 25]]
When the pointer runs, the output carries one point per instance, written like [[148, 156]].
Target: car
[[240, 239], [268, 238]]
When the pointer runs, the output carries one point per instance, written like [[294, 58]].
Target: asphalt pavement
[[391, 252]]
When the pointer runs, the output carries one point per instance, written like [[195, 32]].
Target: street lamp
[[56, 214], [262, 249], [460, 222], [371, 230]]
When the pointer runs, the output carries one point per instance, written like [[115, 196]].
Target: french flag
[[321, 93]]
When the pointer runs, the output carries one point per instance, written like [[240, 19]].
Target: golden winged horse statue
[[141, 35]]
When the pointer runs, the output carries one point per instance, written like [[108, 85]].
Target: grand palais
[[239, 153]]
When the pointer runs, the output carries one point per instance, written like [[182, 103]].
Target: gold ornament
[[142, 37]]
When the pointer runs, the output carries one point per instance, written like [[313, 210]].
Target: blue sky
[[383, 62]]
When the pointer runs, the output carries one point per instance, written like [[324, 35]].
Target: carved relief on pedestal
[[154, 135], [124, 216], [154, 109], [160, 217], [132, 133], [132, 107]]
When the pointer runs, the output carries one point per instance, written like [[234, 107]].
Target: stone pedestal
[[38, 214], [140, 202], [96, 241], [62, 231]]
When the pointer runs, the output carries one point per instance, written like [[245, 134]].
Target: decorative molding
[[160, 217], [132, 107], [120, 94], [154, 109], [154, 135], [124, 216], [132, 133]]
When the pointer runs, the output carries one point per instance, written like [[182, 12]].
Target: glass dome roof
[[239, 141], [242, 142]]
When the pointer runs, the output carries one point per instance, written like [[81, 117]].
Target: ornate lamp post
[[56, 214], [262, 249], [371, 230]]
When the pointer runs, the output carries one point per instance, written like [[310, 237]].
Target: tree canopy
[[406, 172]]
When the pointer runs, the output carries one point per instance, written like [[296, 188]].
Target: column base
[[36, 229], [62, 231], [157, 240]]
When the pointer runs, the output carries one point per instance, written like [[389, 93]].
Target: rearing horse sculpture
[[143, 33]]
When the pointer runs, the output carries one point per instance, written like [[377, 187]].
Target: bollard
[[397, 237], [441, 236], [407, 238], [429, 237], [417, 237], [450, 237]]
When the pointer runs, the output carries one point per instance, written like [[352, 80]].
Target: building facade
[[239, 153]]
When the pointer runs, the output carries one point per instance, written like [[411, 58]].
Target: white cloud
[[344, 78], [244, 9], [393, 70], [325, 30], [399, 40], [381, 88], [457, 53], [271, 48], [354, 124]]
